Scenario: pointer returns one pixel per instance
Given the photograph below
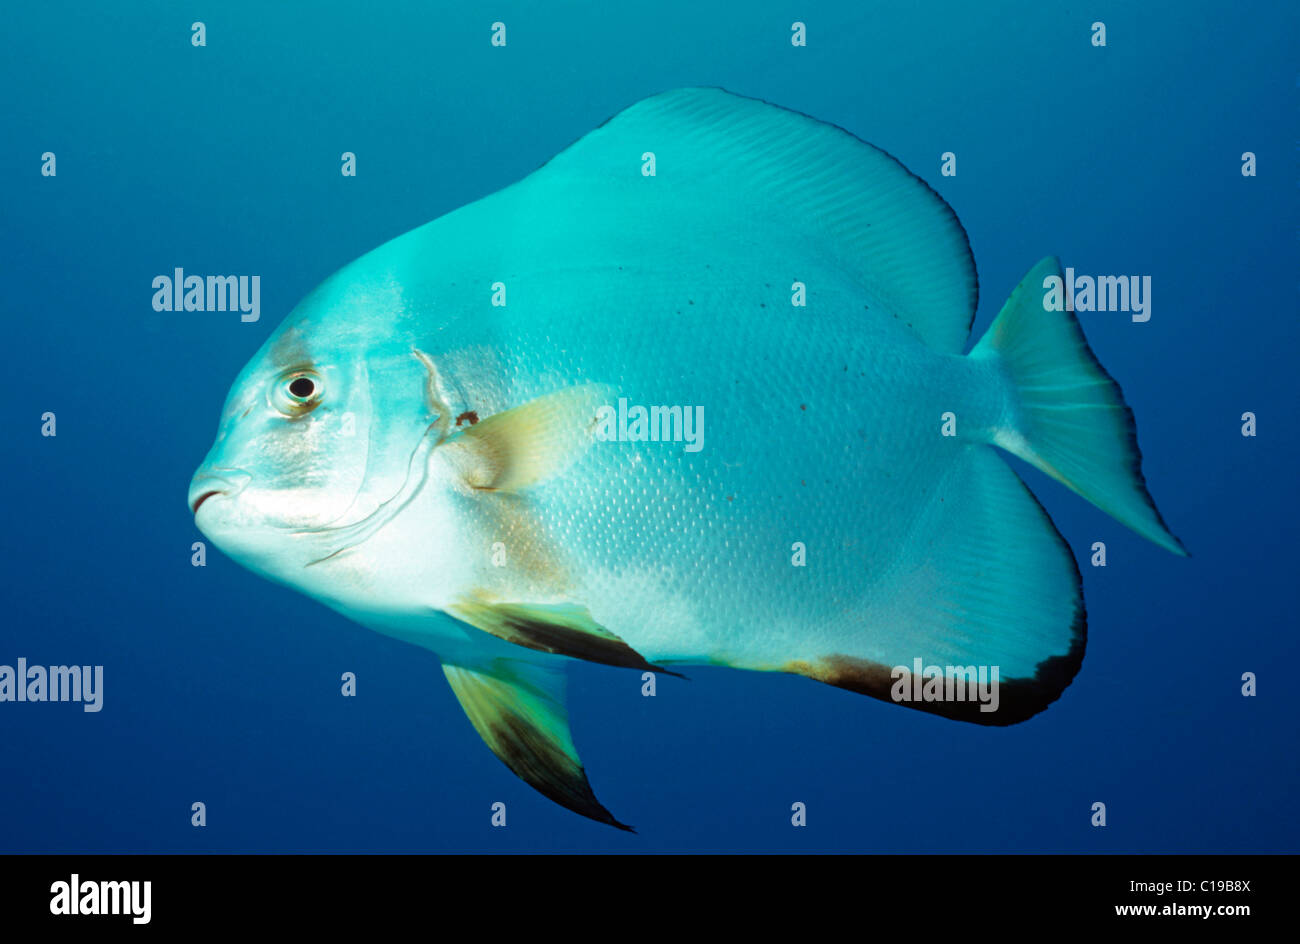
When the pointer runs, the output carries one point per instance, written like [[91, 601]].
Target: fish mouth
[[227, 482], [198, 502]]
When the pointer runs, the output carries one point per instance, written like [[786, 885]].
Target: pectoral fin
[[518, 709], [564, 629], [529, 443]]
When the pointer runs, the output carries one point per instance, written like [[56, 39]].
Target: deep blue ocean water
[[222, 688]]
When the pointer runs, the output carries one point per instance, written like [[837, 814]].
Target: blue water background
[[222, 688]]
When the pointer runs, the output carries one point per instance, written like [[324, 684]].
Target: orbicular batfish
[[693, 392]]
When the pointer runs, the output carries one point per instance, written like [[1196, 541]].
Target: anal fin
[[518, 709]]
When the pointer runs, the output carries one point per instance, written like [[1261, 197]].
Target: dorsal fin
[[752, 164]]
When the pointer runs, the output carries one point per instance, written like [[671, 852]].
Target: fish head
[[288, 459], [310, 443]]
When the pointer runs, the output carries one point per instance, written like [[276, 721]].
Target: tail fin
[[1070, 417]]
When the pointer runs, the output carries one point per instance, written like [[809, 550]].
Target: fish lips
[[209, 483]]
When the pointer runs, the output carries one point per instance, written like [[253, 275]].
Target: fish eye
[[297, 392]]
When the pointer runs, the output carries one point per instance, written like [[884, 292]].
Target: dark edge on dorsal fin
[[945, 207]]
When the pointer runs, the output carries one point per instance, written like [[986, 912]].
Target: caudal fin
[[1070, 419]]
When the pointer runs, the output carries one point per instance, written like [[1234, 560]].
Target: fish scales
[[442, 441]]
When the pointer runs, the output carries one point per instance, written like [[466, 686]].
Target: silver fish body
[[442, 441]]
